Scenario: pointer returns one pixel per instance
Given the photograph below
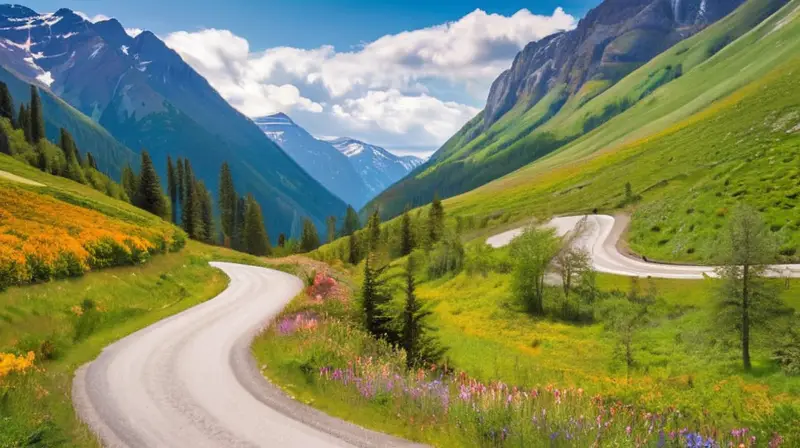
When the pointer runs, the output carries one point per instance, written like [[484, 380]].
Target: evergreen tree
[[435, 221], [309, 239], [6, 103], [351, 223], [237, 236], [406, 234], [90, 161], [130, 182], [331, 222], [5, 144], [353, 254], [67, 144], [375, 294], [190, 213], [256, 237], [420, 347], [227, 201], [172, 188], [206, 213], [24, 122], [179, 183], [282, 240], [374, 231], [36, 116], [149, 195]]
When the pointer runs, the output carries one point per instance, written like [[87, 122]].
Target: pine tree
[[24, 122], [206, 213], [149, 195], [420, 347], [374, 231], [5, 144], [227, 201], [36, 116], [406, 234], [353, 254], [130, 182], [237, 236], [178, 188], [282, 240], [6, 103], [67, 144], [172, 188], [309, 240], [256, 237], [435, 221], [90, 161], [190, 212], [351, 223], [375, 294], [331, 223]]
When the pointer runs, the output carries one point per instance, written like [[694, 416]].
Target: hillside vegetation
[[725, 131]]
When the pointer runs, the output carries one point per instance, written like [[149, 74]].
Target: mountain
[[323, 162], [377, 167], [556, 79], [146, 96], [353, 170]]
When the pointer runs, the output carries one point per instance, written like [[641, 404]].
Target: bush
[[447, 257]]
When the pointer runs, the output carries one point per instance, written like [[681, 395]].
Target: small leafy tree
[[532, 252], [745, 298], [446, 257], [624, 318]]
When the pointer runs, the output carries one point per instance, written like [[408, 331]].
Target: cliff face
[[610, 42]]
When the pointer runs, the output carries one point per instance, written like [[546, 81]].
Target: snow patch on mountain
[[378, 167], [46, 78]]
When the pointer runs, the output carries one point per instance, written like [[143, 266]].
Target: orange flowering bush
[[11, 363], [42, 238]]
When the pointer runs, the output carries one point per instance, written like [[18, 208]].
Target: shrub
[[447, 257]]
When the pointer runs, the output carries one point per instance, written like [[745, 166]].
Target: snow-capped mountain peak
[[378, 167]]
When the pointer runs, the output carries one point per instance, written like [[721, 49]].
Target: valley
[[198, 245]]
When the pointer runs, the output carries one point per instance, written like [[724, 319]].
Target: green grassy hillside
[[723, 132], [677, 83]]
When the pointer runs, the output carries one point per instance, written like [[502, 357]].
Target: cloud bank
[[415, 88]]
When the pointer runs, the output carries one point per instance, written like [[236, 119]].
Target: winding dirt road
[[191, 381], [600, 239]]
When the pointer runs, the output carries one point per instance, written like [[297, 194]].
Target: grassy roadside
[[683, 362], [67, 323]]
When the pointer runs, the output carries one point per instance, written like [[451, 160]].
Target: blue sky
[[402, 74]]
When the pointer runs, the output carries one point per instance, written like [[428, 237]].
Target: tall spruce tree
[[67, 144], [351, 222], [375, 295], [179, 183], [415, 339], [309, 239], [149, 195], [227, 201], [282, 240], [374, 230], [206, 213], [24, 122], [130, 182], [172, 188], [6, 103], [256, 237], [5, 144], [90, 161], [36, 116], [406, 234], [331, 223], [237, 235], [353, 254], [435, 221], [190, 212]]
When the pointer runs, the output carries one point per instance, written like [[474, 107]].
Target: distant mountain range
[[146, 96], [546, 99], [353, 170]]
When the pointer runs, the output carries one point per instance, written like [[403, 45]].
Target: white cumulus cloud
[[95, 18], [384, 91]]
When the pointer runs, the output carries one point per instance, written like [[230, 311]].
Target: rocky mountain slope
[[555, 78], [353, 170], [319, 158], [146, 96], [377, 167]]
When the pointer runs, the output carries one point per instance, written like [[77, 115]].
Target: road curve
[[600, 239], [190, 380]]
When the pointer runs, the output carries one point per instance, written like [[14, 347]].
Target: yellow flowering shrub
[[10, 363], [42, 238]]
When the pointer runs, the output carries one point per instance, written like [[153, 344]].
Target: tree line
[[22, 136]]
